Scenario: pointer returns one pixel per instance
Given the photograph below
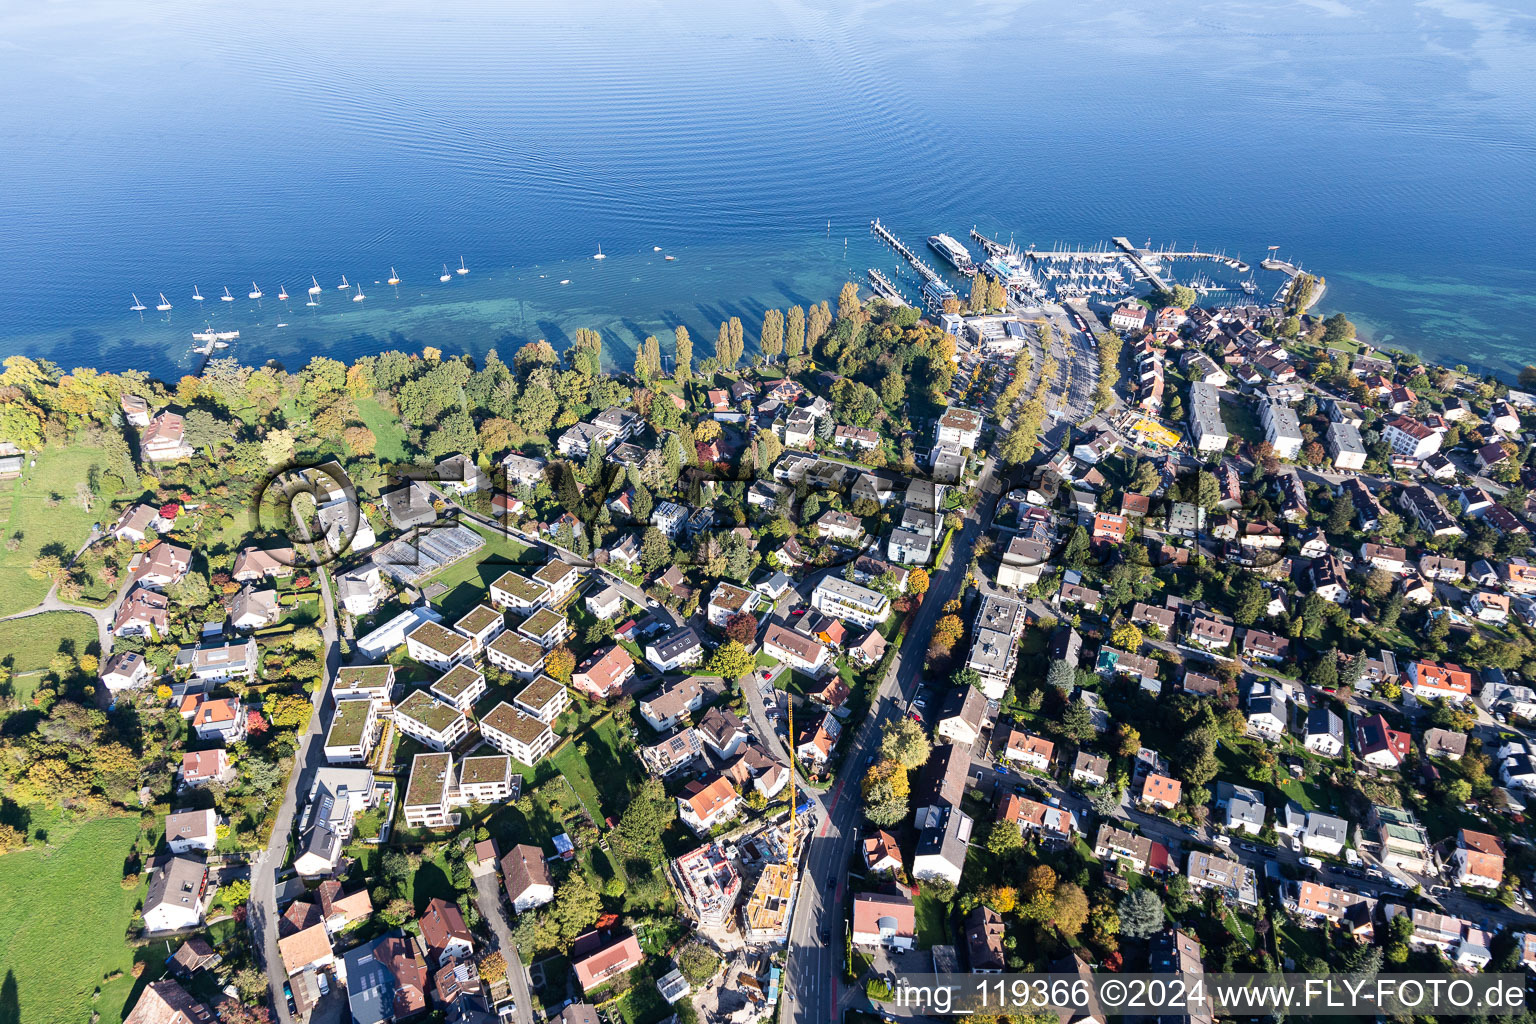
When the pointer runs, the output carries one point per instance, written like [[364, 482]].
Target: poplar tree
[[723, 346], [980, 295], [820, 320], [794, 332], [738, 341], [684, 354], [773, 334], [848, 306]]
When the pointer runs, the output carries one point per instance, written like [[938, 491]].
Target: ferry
[[954, 252]]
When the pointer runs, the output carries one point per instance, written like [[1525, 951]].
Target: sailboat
[[446, 276], [314, 286], [196, 295], [655, 248], [138, 307], [226, 297], [282, 294], [359, 296], [599, 255], [462, 268], [165, 303], [394, 278], [255, 291], [343, 286]]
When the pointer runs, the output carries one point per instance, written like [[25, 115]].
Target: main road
[[815, 967]]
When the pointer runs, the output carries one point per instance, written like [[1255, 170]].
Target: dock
[[992, 247], [885, 289], [884, 234], [1135, 255]]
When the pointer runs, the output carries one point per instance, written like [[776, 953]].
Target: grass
[[600, 777], [932, 920], [28, 645], [1239, 416], [642, 1003], [40, 508], [469, 582], [389, 435], [63, 915]]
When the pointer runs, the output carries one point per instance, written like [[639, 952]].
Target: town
[[1014, 636]]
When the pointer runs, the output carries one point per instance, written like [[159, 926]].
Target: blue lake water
[[148, 148]]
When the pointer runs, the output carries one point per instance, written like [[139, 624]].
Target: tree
[[742, 627], [730, 661], [848, 305], [1197, 756], [1341, 517], [794, 332], [1127, 739], [638, 834], [560, 664], [289, 710], [698, 963], [773, 334], [684, 353], [885, 788], [905, 742], [1076, 722], [1062, 674], [234, 893], [917, 582], [946, 633], [1075, 554], [655, 550], [1141, 914], [1037, 896], [1127, 637], [1071, 909], [1251, 601], [1004, 837], [575, 908]]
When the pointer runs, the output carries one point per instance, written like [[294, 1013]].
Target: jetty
[[1141, 261], [992, 246], [884, 234], [885, 289]]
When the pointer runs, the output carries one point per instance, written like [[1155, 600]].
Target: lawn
[[389, 436], [63, 915], [601, 775], [469, 582], [28, 645], [1241, 418], [932, 920], [40, 511]]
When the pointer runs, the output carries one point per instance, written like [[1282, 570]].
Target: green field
[[28, 644], [601, 777], [389, 436], [469, 582], [41, 508], [63, 915]]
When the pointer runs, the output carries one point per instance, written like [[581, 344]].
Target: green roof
[[507, 719], [366, 677], [430, 712], [553, 572], [429, 777], [439, 638], [518, 647], [456, 681], [477, 620], [492, 768], [539, 692], [521, 587], [541, 623], [347, 727]]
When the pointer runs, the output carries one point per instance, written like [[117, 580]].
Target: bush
[[698, 962]]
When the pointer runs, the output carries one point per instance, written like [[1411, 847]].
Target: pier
[[885, 289], [1135, 256], [881, 232], [992, 247]]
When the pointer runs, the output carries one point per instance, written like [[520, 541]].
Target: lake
[[165, 147]]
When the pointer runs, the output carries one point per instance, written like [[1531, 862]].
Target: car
[[1247, 846], [832, 880], [1223, 840], [767, 675], [1312, 862], [826, 933], [915, 717]]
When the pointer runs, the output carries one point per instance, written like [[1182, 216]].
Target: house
[[1490, 607], [815, 745], [722, 732], [799, 652], [164, 440], [430, 721], [1409, 437], [437, 646], [703, 805], [188, 831], [1402, 841], [1427, 681], [410, 505], [962, 715], [125, 670], [884, 920], [1032, 816], [1318, 902], [1325, 834], [607, 603], [200, 767], [674, 650], [1281, 428], [1266, 715], [1028, 749], [1422, 504], [908, 547], [174, 900], [1324, 732], [1235, 881], [336, 797], [193, 955], [516, 734], [161, 567], [525, 875], [984, 945], [840, 599], [1198, 685], [868, 650], [944, 830], [1210, 632], [443, 932], [727, 601], [135, 523], [1479, 860], [386, 980], [306, 950], [1385, 557], [1140, 853], [361, 590], [255, 564], [1090, 769], [1328, 579], [354, 728], [166, 1002], [1159, 792], [669, 517], [1185, 520], [1442, 569], [1379, 745], [1244, 807], [1108, 528], [1344, 446], [598, 958], [1261, 646], [671, 705], [1128, 318], [215, 719], [881, 854]]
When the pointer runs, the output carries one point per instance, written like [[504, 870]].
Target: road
[[261, 911], [814, 968], [488, 899]]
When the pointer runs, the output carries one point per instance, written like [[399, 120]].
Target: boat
[[255, 291], [566, 281], [394, 278], [669, 258], [359, 296], [165, 303], [138, 307], [446, 276], [343, 286], [462, 268], [655, 248], [599, 255], [282, 294], [314, 287], [954, 252], [226, 297], [311, 302], [282, 325], [196, 295]]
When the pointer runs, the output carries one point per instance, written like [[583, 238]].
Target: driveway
[[488, 899]]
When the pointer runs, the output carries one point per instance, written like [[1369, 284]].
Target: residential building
[[795, 650], [881, 854], [1401, 841], [723, 732], [220, 718], [1345, 446], [437, 646], [164, 440], [837, 597], [704, 804], [1422, 504], [1235, 881], [1159, 792], [677, 649], [1479, 860], [166, 1002], [598, 958], [1243, 807], [460, 687], [125, 670], [944, 830], [174, 900], [1028, 749], [1427, 681], [1205, 422], [994, 643], [669, 517], [708, 884], [525, 876], [544, 699], [1140, 853], [1318, 902], [885, 921], [512, 732], [354, 728], [517, 654], [192, 831], [427, 803], [386, 980], [200, 767], [1379, 745], [518, 593], [984, 945], [1090, 769], [430, 721], [1324, 732], [1409, 437], [1281, 428], [726, 601]]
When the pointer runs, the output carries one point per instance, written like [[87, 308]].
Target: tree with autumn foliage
[[742, 627], [917, 582], [946, 633], [560, 664]]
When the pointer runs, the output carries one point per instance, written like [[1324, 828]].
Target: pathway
[[488, 898]]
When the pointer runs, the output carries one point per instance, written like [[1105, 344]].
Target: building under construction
[[770, 909]]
